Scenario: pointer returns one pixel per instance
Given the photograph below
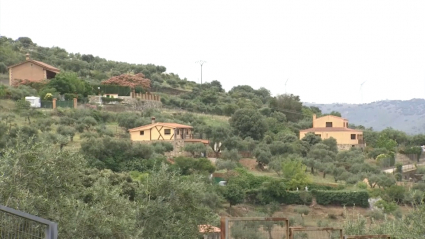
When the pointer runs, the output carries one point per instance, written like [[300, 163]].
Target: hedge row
[[297, 197], [323, 197], [339, 197]]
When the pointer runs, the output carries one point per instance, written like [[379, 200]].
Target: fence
[[46, 104], [65, 104], [315, 233], [368, 237], [254, 227], [15, 224]]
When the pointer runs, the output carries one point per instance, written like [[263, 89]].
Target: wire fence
[[315, 233], [261, 228], [368, 237], [15, 224]]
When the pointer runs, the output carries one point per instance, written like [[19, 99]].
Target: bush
[[346, 198], [297, 197], [362, 185], [107, 100], [376, 215]]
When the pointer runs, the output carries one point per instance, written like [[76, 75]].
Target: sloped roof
[[39, 63], [330, 129], [170, 125]]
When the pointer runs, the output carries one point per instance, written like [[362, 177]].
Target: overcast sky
[[325, 49]]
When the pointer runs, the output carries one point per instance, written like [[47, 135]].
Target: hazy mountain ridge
[[405, 115]]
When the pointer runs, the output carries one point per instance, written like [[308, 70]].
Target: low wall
[[349, 146], [178, 146]]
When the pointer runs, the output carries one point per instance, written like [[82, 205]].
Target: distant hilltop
[[404, 115]]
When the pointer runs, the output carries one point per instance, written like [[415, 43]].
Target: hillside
[[402, 115]]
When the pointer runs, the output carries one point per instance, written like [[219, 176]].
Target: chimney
[[153, 120], [27, 56]]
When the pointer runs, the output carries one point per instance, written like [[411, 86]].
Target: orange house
[[31, 70], [337, 128]]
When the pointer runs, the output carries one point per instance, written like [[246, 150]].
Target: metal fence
[[368, 237], [315, 233], [46, 104], [65, 104], [15, 224], [254, 227]]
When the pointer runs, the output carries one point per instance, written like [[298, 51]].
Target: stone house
[[31, 70]]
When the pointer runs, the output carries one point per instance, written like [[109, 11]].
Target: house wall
[[112, 95], [28, 71], [155, 133], [336, 122], [343, 138]]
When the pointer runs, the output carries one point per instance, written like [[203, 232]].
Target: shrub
[[297, 197], [108, 100], [302, 210], [376, 214], [362, 185], [346, 198]]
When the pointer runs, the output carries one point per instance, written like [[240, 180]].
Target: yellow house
[[336, 127], [164, 131]]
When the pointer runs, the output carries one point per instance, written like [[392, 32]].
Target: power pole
[[361, 91], [201, 62], [285, 84]]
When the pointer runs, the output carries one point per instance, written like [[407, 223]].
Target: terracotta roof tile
[[39, 63], [330, 129], [170, 125], [47, 66]]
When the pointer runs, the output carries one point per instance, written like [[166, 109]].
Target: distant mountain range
[[404, 115]]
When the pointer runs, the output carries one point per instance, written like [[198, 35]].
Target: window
[[142, 132], [167, 131], [187, 132], [319, 135], [328, 124], [353, 136], [178, 131]]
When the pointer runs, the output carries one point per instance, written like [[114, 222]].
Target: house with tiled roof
[[31, 70], [336, 127], [178, 134]]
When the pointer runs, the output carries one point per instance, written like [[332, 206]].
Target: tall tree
[[248, 123], [290, 105]]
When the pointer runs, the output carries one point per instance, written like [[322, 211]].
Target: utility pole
[[285, 84], [361, 91], [201, 62]]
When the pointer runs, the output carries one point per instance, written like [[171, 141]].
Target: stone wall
[[178, 146], [348, 146]]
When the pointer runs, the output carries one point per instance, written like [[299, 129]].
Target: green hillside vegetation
[[78, 167]]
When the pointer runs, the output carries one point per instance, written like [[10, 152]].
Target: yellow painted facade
[[160, 132], [337, 128], [336, 121]]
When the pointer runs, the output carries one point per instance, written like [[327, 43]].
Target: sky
[[320, 50]]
